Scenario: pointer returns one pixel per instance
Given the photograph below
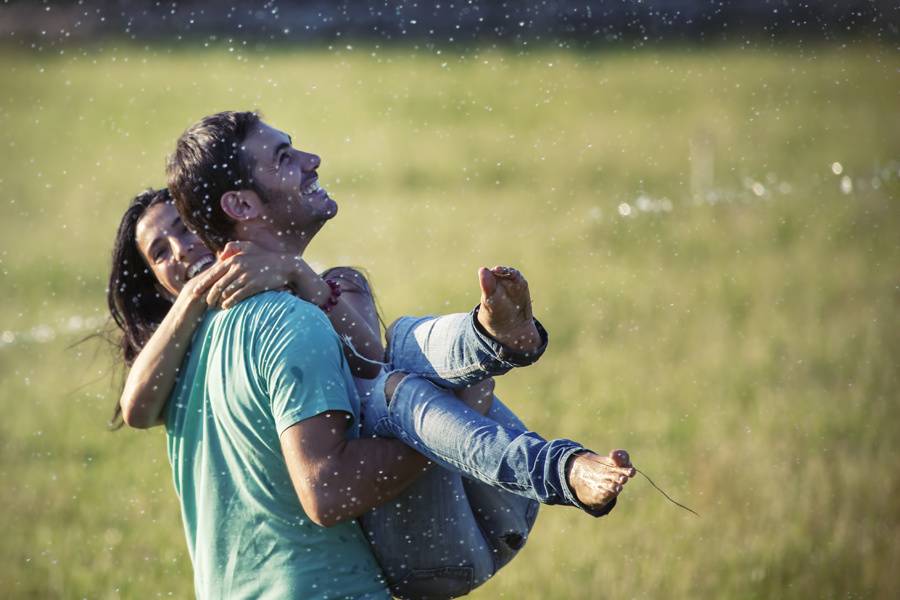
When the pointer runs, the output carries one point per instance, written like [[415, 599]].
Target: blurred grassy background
[[736, 328]]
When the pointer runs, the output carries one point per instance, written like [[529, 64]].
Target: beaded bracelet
[[332, 300]]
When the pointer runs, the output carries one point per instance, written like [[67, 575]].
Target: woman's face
[[173, 252]]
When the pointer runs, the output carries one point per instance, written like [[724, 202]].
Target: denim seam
[[459, 466], [567, 490], [456, 372], [402, 436], [497, 350], [445, 374]]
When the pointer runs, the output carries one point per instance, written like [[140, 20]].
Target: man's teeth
[[310, 188], [199, 266]]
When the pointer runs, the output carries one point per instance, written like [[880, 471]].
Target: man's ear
[[241, 205]]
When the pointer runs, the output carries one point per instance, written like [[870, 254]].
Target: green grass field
[[736, 329]]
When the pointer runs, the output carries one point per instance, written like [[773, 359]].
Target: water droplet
[[846, 184]]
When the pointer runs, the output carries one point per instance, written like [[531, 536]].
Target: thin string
[[347, 340], [669, 498]]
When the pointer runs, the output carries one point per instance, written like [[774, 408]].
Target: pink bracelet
[[332, 300]]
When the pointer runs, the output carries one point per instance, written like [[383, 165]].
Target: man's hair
[[206, 164]]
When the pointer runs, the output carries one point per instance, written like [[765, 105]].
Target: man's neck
[[264, 236]]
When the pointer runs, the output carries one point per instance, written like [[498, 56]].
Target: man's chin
[[331, 209], [328, 209]]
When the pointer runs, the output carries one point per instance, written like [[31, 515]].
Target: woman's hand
[[193, 295], [246, 270]]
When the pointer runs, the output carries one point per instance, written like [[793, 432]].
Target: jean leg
[[453, 350], [505, 519], [428, 541], [435, 423]]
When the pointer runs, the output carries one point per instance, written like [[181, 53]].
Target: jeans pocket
[[435, 584]]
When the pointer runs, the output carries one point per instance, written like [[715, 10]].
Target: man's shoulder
[[274, 311], [276, 304]]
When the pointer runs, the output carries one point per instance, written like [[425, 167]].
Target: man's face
[[172, 251], [288, 180]]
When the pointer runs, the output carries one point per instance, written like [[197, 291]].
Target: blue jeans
[[458, 525]]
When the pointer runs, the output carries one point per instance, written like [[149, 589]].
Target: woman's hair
[[135, 302]]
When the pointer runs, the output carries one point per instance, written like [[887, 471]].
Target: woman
[[158, 292]]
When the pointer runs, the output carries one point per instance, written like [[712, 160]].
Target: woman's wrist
[[306, 283], [188, 307]]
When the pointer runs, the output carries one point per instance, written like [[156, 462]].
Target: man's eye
[[283, 158]]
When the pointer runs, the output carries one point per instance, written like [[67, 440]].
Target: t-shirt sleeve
[[301, 365]]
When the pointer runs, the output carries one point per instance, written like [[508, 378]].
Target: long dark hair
[[135, 302]]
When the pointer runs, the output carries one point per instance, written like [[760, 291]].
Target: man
[[266, 414]]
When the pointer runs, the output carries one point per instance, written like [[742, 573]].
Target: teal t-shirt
[[253, 371]]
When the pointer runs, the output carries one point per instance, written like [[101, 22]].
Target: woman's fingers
[[199, 285], [213, 298], [232, 248], [243, 287]]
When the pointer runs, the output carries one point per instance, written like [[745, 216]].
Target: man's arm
[[338, 479], [313, 405]]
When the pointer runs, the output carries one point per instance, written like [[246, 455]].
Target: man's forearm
[[368, 472], [337, 479]]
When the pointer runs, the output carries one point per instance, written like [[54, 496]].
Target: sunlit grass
[[744, 350]]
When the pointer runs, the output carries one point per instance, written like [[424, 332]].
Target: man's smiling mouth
[[310, 188]]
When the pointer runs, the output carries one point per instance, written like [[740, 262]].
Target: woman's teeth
[[199, 266]]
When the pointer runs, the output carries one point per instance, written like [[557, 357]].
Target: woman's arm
[[153, 374], [356, 317]]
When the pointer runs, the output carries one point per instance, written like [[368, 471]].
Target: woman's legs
[[505, 518], [447, 534], [433, 421]]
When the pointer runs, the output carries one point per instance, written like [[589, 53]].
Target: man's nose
[[309, 162]]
